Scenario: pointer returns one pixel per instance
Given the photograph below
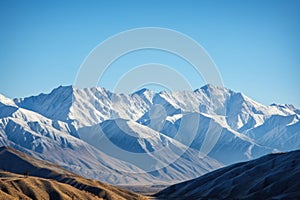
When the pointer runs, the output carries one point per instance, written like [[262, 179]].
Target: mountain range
[[146, 137]]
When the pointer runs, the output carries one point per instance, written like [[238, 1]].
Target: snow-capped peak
[[286, 108], [246, 128], [6, 101]]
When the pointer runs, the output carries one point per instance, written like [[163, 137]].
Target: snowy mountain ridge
[[71, 127]]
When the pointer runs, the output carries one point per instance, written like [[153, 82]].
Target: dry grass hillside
[[49, 181], [15, 186]]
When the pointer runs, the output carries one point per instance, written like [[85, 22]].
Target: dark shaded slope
[[17, 162], [275, 176]]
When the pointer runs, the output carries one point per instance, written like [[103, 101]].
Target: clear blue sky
[[255, 44]]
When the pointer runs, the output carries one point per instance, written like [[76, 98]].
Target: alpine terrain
[[146, 137]]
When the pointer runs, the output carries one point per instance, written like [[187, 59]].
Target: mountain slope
[[273, 176], [16, 162], [85, 107], [214, 129], [161, 156], [58, 142], [239, 109], [54, 141], [14, 186], [278, 131], [90, 106]]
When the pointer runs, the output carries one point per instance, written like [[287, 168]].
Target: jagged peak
[[213, 88], [61, 88], [6, 101], [58, 90], [142, 91], [286, 106], [283, 105], [65, 90]]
